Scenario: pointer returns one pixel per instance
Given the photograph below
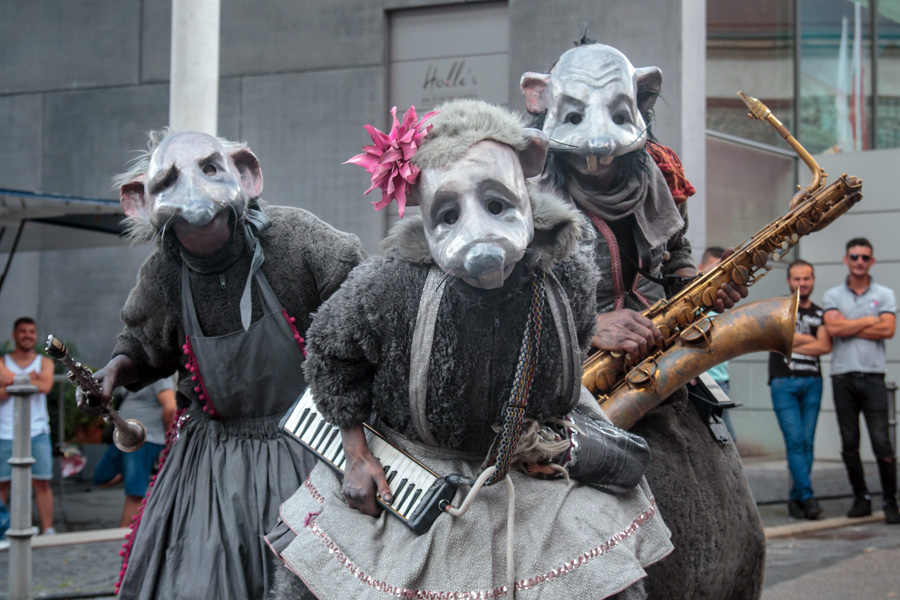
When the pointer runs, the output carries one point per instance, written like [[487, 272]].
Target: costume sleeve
[[150, 336], [604, 456], [579, 276], [332, 255], [678, 247], [343, 351]]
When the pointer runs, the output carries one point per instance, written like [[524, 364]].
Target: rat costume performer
[[231, 324], [427, 343], [593, 105]]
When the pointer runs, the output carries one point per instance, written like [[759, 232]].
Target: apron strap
[[558, 303], [188, 312], [420, 355], [255, 221]]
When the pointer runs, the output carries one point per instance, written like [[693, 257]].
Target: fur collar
[[558, 227]]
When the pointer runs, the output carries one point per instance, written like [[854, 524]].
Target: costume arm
[[332, 254], [578, 275], [813, 346], [343, 351], [680, 259], [150, 337]]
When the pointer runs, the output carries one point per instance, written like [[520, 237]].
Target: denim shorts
[[41, 450]]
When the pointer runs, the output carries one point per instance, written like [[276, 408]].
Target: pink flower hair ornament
[[389, 159]]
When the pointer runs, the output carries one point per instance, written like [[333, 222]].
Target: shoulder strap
[[558, 303], [420, 353]]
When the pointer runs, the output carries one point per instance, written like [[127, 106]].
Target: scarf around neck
[[645, 195]]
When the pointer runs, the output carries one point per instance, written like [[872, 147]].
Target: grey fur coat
[[359, 344], [306, 261]]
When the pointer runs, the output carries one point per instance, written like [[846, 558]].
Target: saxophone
[[692, 341]]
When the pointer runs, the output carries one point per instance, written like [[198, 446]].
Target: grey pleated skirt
[[218, 493]]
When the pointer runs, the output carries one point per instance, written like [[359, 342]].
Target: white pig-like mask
[[594, 98], [476, 211]]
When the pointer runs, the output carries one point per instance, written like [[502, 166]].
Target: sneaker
[[796, 509], [813, 510], [49, 531], [862, 507], [4, 543], [891, 514]]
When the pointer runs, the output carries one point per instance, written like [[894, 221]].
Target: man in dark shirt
[[796, 385]]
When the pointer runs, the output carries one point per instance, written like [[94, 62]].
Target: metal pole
[[20, 531], [194, 85]]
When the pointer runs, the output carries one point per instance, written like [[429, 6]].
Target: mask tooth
[[592, 163]]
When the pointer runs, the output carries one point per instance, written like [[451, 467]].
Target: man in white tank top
[[25, 360]]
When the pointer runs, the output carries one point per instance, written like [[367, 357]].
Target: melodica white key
[[419, 493]]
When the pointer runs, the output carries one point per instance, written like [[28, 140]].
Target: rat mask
[[191, 182], [466, 170], [594, 101]]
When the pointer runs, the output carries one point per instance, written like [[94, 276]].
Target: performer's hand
[[363, 476], [628, 331], [729, 293], [118, 371]]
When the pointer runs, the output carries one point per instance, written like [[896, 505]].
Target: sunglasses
[[862, 257]]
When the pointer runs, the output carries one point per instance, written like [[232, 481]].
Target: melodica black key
[[417, 490]]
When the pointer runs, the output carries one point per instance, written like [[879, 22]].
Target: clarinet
[[129, 435]]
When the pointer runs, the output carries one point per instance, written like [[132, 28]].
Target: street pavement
[[830, 559]]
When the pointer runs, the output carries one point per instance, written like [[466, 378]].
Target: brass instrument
[[812, 208], [765, 325], [130, 434]]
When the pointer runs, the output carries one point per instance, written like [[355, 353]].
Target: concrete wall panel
[[86, 309], [20, 143], [59, 44], [881, 228], [302, 127], [875, 167], [89, 136], [277, 37]]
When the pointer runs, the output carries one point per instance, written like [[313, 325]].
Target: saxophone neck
[[760, 111]]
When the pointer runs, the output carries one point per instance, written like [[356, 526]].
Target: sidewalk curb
[[803, 527], [79, 537]]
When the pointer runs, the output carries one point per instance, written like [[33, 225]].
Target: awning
[[31, 221]]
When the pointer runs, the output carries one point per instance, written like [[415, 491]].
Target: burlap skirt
[[570, 540]]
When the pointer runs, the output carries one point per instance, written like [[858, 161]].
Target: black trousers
[[856, 393]]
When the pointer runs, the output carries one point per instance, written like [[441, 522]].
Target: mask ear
[[649, 84], [534, 89], [534, 155], [133, 200], [247, 166]]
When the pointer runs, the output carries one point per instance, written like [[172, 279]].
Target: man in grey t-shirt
[[860, 316], [154, 406]]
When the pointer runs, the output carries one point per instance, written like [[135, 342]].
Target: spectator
[[25, 360], [154, 406], [796, 385], [860, 316], [710, 260]]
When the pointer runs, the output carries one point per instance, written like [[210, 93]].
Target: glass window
[[835, 76], [746, 189], [749, 47], [888, 122]]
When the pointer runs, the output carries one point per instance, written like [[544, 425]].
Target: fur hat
[[459, 124]]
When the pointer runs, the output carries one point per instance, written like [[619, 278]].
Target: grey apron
[[200, 535], [262, 362]]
